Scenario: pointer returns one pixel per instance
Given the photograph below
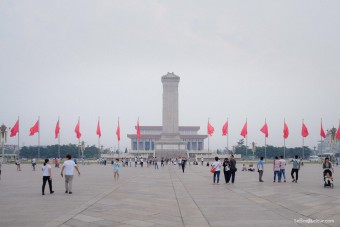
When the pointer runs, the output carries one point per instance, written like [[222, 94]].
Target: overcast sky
[[236, 59]]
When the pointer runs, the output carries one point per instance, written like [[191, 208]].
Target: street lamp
[[253, 148], [3, 138], [82, 149]]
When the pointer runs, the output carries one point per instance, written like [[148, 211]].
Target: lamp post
[[253, 148], [3, 138], [82, 149]]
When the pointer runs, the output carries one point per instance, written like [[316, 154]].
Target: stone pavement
[[166, 197]]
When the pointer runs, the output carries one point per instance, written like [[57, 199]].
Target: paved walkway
[[166, 197]]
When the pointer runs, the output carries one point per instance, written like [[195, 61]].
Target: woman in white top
[[47, 176], [217, 166]]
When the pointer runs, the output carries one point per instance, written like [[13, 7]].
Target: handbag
[[213, 170]]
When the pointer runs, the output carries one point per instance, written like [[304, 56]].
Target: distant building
[[329, 145], [151, 134]]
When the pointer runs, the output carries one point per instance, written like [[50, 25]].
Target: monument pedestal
[[170, 149]]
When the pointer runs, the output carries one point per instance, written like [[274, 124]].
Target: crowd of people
[[279, 169], [228, 167]]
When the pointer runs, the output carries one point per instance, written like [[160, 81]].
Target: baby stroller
[[328, 178]]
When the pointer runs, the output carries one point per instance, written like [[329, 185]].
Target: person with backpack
[[295, 169]]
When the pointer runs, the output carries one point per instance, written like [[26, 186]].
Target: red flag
[[285, 131], [138, 131], [77, 130], [225, 129], [264, 129], [322, 132], [57, 129], [210, 129], [118, 131], [304, 131], [35, 128], [99, 133], [338, 133], [244, 131], [15, 129]]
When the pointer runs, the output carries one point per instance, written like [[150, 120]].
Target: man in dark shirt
[[233, 168]]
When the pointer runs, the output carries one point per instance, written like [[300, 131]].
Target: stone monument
[[170, 145]]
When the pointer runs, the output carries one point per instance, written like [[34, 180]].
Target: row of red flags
[[210, 129], [264, 130], [35, 129]]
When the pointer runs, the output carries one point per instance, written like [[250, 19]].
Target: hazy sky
[[236, 59]]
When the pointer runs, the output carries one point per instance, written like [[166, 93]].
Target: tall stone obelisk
[[170, 144]]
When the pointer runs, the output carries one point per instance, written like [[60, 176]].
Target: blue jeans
[[282, 174], [277, 172], [217, 176]]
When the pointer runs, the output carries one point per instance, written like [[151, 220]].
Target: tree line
[[52, 151]]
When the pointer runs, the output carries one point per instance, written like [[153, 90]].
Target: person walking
[[260, 169], [226, 170], [18, 163], [184, 161], [282, 168], [34, 163], [155, 163], [202, 160], [217, 166], [233, 168], [162, 162], [47, 176], [276, 169], [0, 166], [295, 169], [116, 169], [69, 167], [136, 161], [141, 162]]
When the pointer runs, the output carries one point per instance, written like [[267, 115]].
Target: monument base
[[169, 150]]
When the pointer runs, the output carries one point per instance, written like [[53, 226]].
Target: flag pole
[[137, 138], [321, 139], [118, 139], [59, 138], [228, 136], [79, 139], [247, 139], [265, 143], [18, 138], [208, 144], [303, 144], [99, 136], [38, 137], [284, 140]]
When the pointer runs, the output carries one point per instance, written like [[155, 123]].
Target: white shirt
[[45, 170], [282, 164], [69, 167], [216, 165]]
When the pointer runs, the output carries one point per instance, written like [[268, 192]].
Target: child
[[116, 169], [328, 178]]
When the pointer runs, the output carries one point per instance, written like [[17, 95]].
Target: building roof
[[158, 136], [181, 128]]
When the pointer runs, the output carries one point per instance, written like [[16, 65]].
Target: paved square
[[166, 197]]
